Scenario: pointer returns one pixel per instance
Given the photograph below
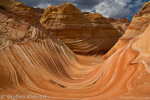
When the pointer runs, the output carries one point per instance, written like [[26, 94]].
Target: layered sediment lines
[[48, 67], [84, 33], [138, 25], [38, 12], [121, 24], [19, 26], [120, 20], [40, 64], [121, 27]]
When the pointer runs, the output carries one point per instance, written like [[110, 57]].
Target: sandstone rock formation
[[38, 12], [18, 25], [123, 20], [120, 20], [17, 7], [138, 25], [84, 33], [43, 67], [112, 20], [6, 3], [121, 24], [121, 27], [48, 67]]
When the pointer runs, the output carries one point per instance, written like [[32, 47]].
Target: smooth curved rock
[[138, 25], [48, 67], [43, 65]]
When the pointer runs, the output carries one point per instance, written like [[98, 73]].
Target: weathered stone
[[84, 33], [121, 24], [42, 67], [138, 25]]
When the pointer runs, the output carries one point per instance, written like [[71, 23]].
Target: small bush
[[2, 7]]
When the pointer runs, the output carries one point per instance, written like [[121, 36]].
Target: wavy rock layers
[[84, 33], [121, 24], [13, 29], [19, 25], [142, 46], [43, 65], [17, 7], [138, 25], [48, 67]]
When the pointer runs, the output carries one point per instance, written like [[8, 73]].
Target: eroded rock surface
[[84, 33], [43, 65], [38, 12], [18, 24], [48, 67], [121, 24], [138, 25], [120, 20]]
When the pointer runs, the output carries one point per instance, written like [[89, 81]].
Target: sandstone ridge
[[121, 24], [120, 20], [19, 25], [84, 33], [35, 64], [138, 25]]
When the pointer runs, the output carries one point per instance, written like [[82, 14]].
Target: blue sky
[[108, 8]]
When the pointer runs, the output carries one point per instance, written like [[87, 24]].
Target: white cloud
[[117, 8], [108, 8], [87, 10], [122, 3], [137, 3], [113, 8], [43, 5]]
